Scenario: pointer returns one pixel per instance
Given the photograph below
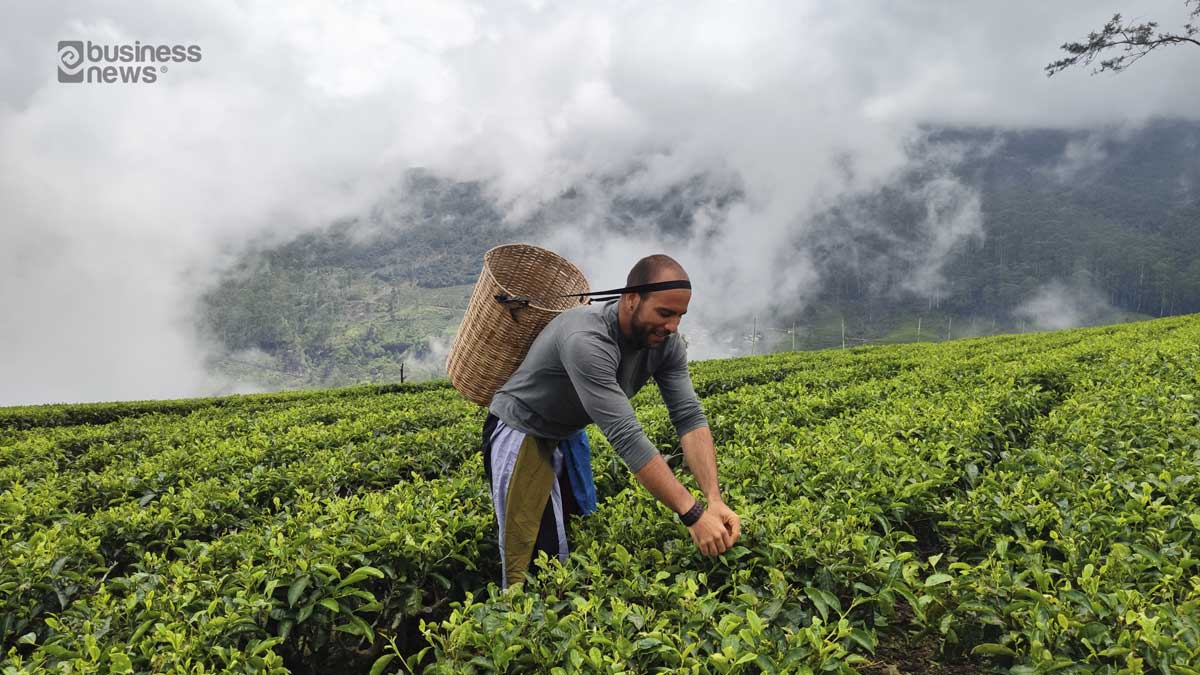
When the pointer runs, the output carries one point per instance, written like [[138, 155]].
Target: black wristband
[[693, 514]]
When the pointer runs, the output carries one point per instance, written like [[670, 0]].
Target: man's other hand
[[733, 523], [710, 534]]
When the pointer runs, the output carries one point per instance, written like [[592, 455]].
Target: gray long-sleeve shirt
[[582, 369]]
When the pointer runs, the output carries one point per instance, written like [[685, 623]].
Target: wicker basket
[[494, 338]]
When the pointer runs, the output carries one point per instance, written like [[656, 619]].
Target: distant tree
[[1127, 40]]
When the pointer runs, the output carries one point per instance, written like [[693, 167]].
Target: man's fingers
[[735, 527], [721, 541], [716, 545], [732, 523], [718, 535]]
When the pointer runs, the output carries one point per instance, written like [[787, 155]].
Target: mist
[[1059, 305], [123, 203]]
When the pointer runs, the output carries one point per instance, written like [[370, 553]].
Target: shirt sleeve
[[675, 385], [593, 371]]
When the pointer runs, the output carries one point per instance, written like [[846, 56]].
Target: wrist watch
[[693, 514]]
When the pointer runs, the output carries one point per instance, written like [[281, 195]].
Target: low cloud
[[1058, 305], [123, 204]]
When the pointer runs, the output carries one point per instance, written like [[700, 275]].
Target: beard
[[642, 331]]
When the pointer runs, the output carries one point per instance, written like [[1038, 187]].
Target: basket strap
[[515, 302], [640, 288]]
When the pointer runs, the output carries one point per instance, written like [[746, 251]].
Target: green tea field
[[1022, 503]]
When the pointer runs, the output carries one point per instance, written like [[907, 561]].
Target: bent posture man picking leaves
[[582, 368]]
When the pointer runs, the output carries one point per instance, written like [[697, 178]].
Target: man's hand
[[710, 535], [733, 523], [718, 528]]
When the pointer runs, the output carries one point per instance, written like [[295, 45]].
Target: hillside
[[1078, 228], [1018, 501]]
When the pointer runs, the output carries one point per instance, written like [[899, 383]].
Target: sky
[[121, 203]]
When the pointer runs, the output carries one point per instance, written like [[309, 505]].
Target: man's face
[[658, 315]]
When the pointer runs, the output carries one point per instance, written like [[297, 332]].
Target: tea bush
[[1021, 503]]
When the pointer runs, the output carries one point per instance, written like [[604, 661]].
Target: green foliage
[[1017, 502]]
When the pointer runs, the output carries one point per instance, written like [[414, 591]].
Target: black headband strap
[[514, 302], [640, 288]]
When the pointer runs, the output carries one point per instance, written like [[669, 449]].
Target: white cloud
[[120, 202], [1057, 305]]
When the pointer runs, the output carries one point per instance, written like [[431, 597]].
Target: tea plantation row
[[1019, 503]]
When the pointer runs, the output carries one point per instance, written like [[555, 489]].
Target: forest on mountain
[[1107, 218]]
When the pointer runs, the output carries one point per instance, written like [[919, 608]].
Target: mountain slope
[[1076, 227]]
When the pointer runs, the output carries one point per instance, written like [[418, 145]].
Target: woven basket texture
[[493, 339]]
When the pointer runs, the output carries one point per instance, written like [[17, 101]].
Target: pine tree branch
[[1133, 41]]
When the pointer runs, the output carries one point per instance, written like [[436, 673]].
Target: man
[[584, 367]]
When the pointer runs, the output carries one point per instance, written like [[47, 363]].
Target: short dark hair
[[648, 269]]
